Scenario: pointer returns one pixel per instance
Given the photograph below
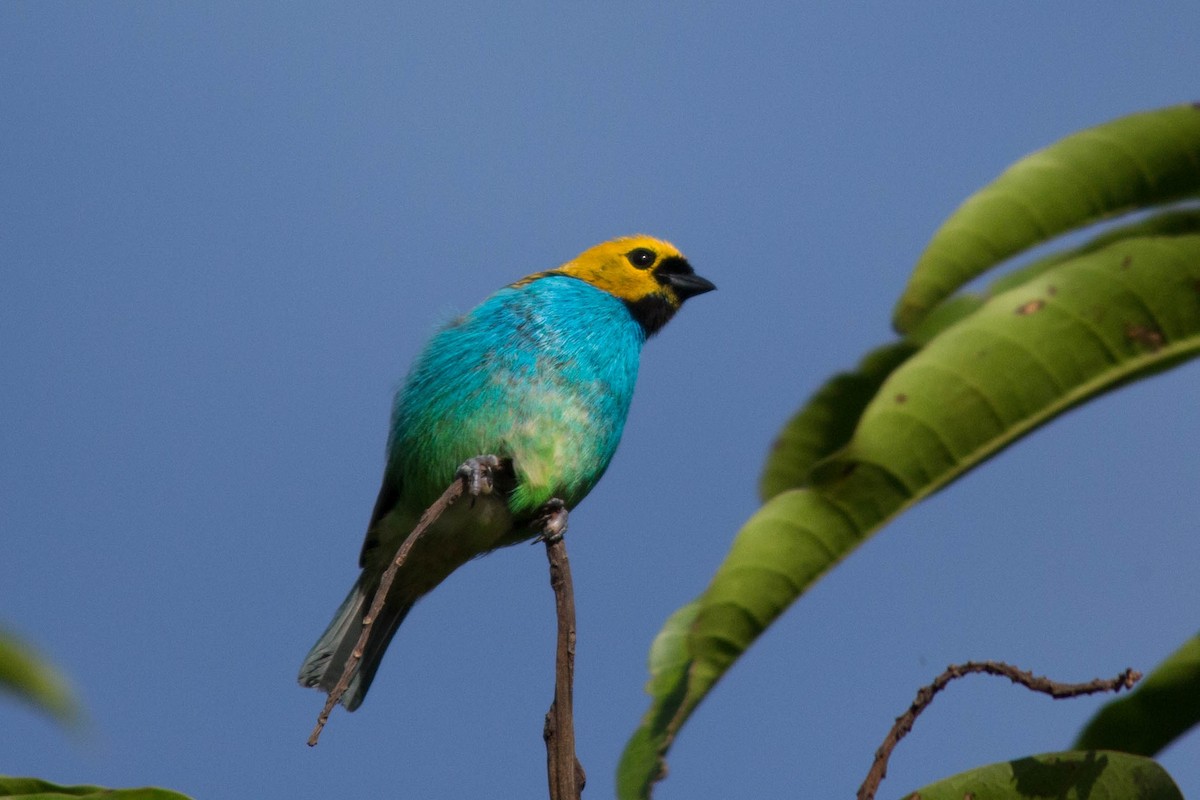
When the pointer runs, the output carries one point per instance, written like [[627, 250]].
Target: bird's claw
[[551, 520], [478, 474]]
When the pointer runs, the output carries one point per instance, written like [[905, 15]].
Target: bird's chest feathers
[[541, 374], [561, 427]]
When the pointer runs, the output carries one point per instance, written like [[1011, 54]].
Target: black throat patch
[[651, 312]]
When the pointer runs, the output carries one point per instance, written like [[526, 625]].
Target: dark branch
[[904, 723], [565, 773], [563, 770], [452, 493]]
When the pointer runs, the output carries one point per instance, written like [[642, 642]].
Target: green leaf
[[1169, 223], [1082, 328], [1164, 705], [25, 674], [37, 789], [826, 422], [828, 419], [960, 306], [1134, 162], [1063, 776], [640, 764]]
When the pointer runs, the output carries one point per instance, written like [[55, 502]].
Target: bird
[[535, 384]]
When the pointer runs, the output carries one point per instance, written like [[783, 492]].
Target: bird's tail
[[323, 666]]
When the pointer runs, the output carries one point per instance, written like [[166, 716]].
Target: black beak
[[677, 273], [689, 284]]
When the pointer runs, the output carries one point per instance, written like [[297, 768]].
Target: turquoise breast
[[542, 373]]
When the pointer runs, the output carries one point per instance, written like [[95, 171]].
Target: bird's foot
[[551, 520], [479, 475]]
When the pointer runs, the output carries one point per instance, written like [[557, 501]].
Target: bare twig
[[565, 773], [904, 723], [452, 493], [563, 770]]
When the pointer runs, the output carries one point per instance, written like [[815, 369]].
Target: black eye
[[641, 257]]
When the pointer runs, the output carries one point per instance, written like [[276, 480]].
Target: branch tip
[[925, 695]]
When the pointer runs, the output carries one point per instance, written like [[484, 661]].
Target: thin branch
[[452, 493], [565, 774], [904, 723], [563, 770]]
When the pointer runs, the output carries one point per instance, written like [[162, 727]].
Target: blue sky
[[225, 229]]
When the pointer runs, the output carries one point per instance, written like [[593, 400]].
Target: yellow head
[[650, 275]]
